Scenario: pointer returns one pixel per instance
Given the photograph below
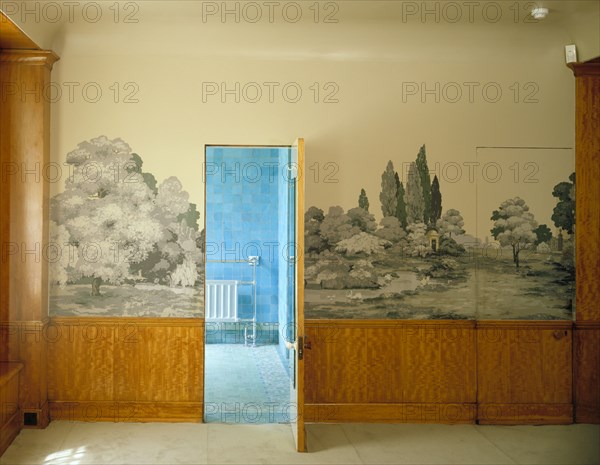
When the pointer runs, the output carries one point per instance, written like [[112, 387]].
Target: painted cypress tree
[[423, 171], [363, 200], [400, 202], [436, 201], [388, 191], [415, 205]]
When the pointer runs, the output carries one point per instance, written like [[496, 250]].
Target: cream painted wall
[[370, 54]]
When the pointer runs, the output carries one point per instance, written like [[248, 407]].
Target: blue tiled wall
[[243, 218]]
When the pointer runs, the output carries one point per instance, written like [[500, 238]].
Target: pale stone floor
[[159, 443]]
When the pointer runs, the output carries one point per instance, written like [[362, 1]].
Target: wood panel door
[[296, 288]]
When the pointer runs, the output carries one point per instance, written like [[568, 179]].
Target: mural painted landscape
[[121, 244], [417, 262]]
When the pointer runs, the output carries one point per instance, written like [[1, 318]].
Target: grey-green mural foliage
[[129, 246], [436, 202], [363, 200], [514, 226], [388, 190], [418, 262], [564, 212], [400, 202], [425, 179], [415, 203]]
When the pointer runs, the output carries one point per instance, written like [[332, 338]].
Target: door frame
[[298, 425]]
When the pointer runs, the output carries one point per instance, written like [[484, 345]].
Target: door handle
[[298, 345]]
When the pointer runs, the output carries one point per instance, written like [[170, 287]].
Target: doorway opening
[[249, 288]]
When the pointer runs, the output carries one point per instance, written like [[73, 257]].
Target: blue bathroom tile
[[247, 216]]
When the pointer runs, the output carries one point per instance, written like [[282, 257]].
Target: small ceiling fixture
[[539, 12]]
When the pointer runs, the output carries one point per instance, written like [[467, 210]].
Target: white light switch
[[571, 53]]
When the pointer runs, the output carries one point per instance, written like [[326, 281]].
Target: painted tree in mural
[[178, 248], [388, 191], [107, 212], [391, 230], [436, 202], [362, 243], [363, 200], [564, 211], [313, 242], [337, 226], [61, 254], [451, 223], [514, 226], [425, 179], [148, 178], [415, 205], [116, 218], [542, 234], [362, 219], [418, 245], [400, 202]]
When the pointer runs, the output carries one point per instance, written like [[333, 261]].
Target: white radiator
[[221, 300]]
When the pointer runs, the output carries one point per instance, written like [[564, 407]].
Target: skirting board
[[391, 413], [124, 411], [525, 414], [490, 414], [587, 414]]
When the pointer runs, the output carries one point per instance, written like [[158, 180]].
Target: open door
[[295, 286]]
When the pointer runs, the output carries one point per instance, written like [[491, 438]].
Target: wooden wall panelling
[[81, 360], [586, 356], [587, 146], [10, 414], [384, 354], [524, 372], [342, 369], [390, 371], [5, 160], [24, 152], [439, 362], [127, 369], [136, 359], [5, 329]]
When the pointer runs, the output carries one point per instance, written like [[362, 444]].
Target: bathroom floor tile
[[245, 384]]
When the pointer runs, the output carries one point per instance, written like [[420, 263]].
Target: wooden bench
[[10, 418]]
